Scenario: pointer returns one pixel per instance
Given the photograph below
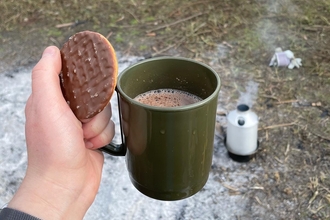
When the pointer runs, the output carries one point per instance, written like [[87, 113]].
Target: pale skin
[[64, 166]]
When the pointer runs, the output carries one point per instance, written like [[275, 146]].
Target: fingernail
[[89, 145], [49, 51]]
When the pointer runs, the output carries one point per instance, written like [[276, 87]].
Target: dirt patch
[[237, 38]]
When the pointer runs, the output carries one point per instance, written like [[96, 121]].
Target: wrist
[[45, 199]]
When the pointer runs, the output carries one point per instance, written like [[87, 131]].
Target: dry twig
[[286, 102], [174, 23], [230, 187], [287, 150], [320, 136], [277, 126], [65, 25]]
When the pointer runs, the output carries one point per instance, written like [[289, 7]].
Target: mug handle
[[112, 148]]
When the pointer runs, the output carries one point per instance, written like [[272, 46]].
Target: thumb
[[45, 78]]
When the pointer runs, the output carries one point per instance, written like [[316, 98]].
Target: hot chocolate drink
[[167, 98]]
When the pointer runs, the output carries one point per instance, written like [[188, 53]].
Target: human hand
[[64, 167]]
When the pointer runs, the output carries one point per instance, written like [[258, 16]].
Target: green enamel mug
[[168, 149]]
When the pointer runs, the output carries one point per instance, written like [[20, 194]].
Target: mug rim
[[178, 108]]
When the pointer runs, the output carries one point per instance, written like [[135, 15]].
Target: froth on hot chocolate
[[167, 98]]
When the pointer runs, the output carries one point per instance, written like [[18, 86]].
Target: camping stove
[[242, 133]]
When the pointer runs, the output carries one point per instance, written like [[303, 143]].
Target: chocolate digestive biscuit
[[89, 73]]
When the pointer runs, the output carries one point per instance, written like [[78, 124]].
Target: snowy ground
[[117, 198]]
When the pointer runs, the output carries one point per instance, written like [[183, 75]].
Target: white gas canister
[[242, 131]]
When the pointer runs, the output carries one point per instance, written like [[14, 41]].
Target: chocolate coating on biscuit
[[89, 73]]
